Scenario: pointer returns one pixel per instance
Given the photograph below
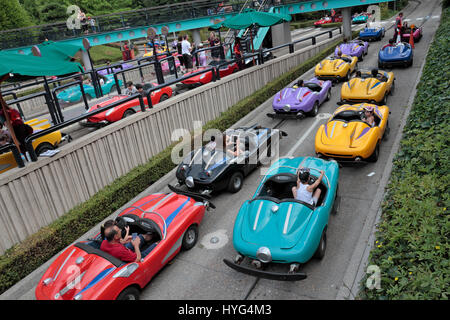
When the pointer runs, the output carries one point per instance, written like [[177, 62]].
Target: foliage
[[412, 247], [25, 257], [13, 15]]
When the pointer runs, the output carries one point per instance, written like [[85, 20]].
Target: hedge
[[25, 257], [411, 247]]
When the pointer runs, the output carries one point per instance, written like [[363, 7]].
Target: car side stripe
[[65, 261], [98, 278], [286, 222], [175, 213], [257, 215]]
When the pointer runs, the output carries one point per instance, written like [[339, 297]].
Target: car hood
[[102, 115], [349, 48], [358, 87], [281, 229], [399, 51], [331, 66], [74, 271], [344, 134], [292, 96]]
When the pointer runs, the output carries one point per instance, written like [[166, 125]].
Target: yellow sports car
[[369, 86], [40, 145], [336, 68], [348, 136], [159, 50]]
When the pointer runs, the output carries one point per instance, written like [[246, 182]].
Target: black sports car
[[225, 161]]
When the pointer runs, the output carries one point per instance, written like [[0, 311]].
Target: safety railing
[[215, 70], [33, 136]]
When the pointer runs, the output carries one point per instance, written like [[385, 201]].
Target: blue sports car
[[399, 54], [73, 94], [369, 34], [273, 227]]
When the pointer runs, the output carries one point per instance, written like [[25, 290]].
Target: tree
[[13, 15]]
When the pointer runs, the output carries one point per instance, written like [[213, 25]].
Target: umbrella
[[250, 17], [58, 50]]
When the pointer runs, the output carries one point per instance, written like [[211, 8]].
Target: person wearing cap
[[368, 116], [304, 191]]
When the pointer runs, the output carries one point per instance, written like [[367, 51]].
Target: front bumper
[[89, 124], [287, 115], [295, 276]]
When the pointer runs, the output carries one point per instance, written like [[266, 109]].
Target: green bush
[[25, 257], [412, 247]]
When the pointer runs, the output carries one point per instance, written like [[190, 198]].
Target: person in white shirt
[[304, 191], [186, 52]]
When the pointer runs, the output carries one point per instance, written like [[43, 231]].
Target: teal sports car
[[362, 18], [275, 228], [73, 94]]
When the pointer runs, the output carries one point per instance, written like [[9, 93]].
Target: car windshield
[[347, 115]]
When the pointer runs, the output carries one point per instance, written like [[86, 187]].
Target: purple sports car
[[304, 98], [354, 48], [115, 68]]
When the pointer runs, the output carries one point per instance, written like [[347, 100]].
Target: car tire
[[190, 237], [386, 131], [315, 109], [128, 113], [328, 95], [45, 146], [320, 252], [376, 153], [164, 97], [130, 293], [391, 92], [235, 183]]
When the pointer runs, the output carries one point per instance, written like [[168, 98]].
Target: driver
[[304, 191], [368, 116], [231, 146], [299, 84], [376, 74]]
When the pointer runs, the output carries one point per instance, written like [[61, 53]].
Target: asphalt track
[[201, 274]]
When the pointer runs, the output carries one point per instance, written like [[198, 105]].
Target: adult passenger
[[180, 54], [304, 191]]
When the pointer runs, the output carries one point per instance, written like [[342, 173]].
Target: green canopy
[[250, 17], [28, 65], [58, 50]]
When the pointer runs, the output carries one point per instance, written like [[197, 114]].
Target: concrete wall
[[35, 196]]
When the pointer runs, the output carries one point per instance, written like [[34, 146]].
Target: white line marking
[[319, 118], [371, 174]]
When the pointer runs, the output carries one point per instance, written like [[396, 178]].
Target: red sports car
[[207, 76], [125, 109], [327, 20], [85, 272]]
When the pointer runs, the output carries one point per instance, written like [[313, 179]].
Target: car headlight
[[190, 182], [263, 254]]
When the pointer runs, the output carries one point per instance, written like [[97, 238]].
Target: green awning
[[58, 50], [28, 65], [250, 17]]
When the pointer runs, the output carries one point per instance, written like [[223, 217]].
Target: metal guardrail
[[33, 136], [106, 23], [259, 55]]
